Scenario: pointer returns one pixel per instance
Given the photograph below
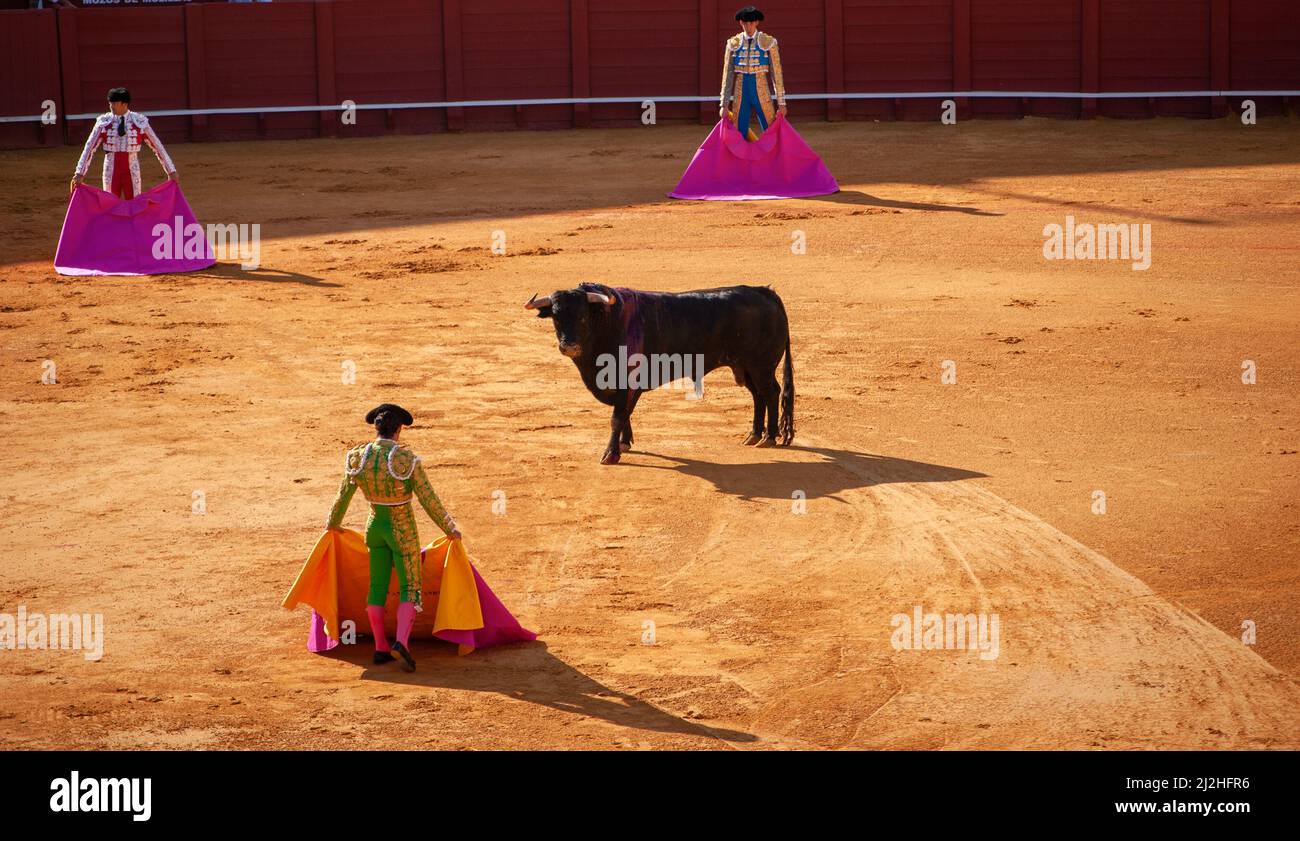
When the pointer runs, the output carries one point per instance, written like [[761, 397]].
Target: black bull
[[741, 327]]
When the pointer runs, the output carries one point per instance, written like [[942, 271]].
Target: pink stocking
[[405, 619], [376, 614]]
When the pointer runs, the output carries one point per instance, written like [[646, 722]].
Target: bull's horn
[[598, 298], [535, 304]]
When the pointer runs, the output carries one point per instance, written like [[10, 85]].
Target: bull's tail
[[785, 427]]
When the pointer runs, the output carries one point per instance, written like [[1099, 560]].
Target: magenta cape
[[103, 234], [779, 165]]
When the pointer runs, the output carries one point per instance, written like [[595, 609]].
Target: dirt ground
[[1120, 629]]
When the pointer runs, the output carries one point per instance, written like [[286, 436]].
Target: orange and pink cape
[[459, 607]]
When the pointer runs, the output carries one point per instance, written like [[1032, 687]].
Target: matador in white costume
[[121, 131]]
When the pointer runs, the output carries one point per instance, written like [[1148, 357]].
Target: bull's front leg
[[625, 440], [617, 421]]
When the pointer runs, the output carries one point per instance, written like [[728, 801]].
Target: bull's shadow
[[837, 471], [529, 672]]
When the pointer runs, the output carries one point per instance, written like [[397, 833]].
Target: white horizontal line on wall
[[610, 100]]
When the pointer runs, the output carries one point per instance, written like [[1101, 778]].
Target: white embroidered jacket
[[136, 131]]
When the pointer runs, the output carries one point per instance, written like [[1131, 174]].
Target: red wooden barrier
[[302, 54], [891, 46], [1030, 45], [580, 49], [1155, 45], [374, 61], [1263, 48], [835, 58], [147, 54], [196, 70], [30, 71]]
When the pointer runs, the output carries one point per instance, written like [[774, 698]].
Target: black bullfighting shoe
[[408, 662], [382, 657]]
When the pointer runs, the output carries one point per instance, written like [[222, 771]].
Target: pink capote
[[499, 624], [499, 627], [105, 235], [779, 165]]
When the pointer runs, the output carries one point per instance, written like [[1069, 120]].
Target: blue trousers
[[749, 105]]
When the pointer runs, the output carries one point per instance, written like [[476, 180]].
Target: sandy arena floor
[[1118, 630]]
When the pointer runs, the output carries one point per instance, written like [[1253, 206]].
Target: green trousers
[[388, 552]]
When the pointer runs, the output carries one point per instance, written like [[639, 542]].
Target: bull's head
[[574, 313]]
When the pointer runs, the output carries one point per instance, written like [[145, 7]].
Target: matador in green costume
[[390, 476]]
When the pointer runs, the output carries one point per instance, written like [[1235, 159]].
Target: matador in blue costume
[[751, 75]]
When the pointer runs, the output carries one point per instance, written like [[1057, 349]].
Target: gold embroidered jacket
[[388, 473], [759, 56]]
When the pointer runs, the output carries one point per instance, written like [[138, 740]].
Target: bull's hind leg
[[770, 394], [756, 431]]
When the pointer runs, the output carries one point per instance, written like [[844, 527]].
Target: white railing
[[608, 100]]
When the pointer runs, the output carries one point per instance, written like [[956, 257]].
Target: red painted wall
[[215, 55]]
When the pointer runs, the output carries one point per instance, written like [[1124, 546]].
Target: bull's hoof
[[752, 438], [787, 440], [610, 457], [625, 446], [766, 442]]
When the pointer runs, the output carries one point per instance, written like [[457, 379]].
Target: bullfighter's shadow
[[233, 271], [857, 197], [529, 672], [837, 471]]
